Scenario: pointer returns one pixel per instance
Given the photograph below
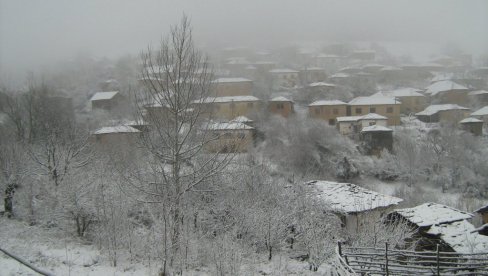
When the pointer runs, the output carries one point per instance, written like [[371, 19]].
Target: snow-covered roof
[[116, 129], [280, 99], [481, 112], [461, 236], [320, 83], [373, 101], [104, 95], [339, 75], [242, 119], [470, 120], [226, 99], [375, 128], [442, 86], [325, 102], [230, 80], [400, 92], [350, 198], [348, 118], [373, 116], [442, 77], [483, 209], [283, 70], [428, 214], [228, 126], [433, 109], [478, 92]]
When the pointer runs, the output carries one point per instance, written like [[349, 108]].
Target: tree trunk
[[9, 200]]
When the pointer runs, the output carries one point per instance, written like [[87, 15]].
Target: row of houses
[[432, 224]]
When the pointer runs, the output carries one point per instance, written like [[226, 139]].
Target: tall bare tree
[[177, 78]]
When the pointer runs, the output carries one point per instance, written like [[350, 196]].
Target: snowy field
[[52, 250]]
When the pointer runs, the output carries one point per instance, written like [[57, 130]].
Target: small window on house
[[358, 110], [250, 105], [317, 110], [372, 110], [389, 110], [232, 105], [372, 123], [335, 111]]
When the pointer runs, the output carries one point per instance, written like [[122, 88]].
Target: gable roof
[[478, 92], [373, 116], [327, 102], [228, 126], [116, 129], [104, 95], [348, 119], [376, 128], [400, 92], [461, 236], [226, 99], [433, 109], [443, 86], [242, 119], [350, 198], [481, 112], [280, 99], [470, 120], [428, 214], [373, 101]]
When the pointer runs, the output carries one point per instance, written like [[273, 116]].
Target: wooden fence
[[386, 261]]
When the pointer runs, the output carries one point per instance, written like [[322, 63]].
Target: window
[[372, 123], [280, 106], [250, 105], [317, 110], [372, 110], [232, 105], [331, 122], [358, 110], [335, 111], [389, 110], [241, 135]]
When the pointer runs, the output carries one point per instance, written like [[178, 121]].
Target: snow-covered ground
[[53, 250]]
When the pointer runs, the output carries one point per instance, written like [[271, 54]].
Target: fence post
[[386, 258], [438, 269]]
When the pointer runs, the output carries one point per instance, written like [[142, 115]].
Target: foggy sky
[[35, 33]]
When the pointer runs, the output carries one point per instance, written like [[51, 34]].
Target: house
[[319, 87], [284, 78], [327, 110], [412, 101], [386, 106], [281, 106], [231, 106], [436, 224], [341, 78], [355, 205], [115, 135], [481, 113], [483, 211], [472, 125], [231, 87], [331, 63], [108, 101], [443, 113], [447, 91], [229, 137], [391, 75], [478, 97], [375, 139], [348, 125]]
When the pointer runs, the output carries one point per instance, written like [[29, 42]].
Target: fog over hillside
[[40, 33]]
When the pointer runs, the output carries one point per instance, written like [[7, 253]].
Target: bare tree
[[13, 170], [177, 77]]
